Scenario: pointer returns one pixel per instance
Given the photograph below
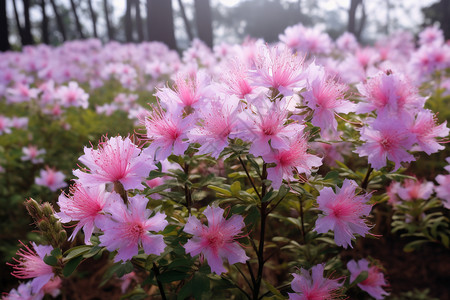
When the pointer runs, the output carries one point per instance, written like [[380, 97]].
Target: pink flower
[[426, 131], [166, 131], [268, 125], [314, 286], [31, 153], [374, 282], [31, 265], [21, 93], [51, 178], [443, 190], [73, 95], [24, 292], [326, 98], [389, 92], [292, 160], [5, 125], [343, 212], [279, 69], [116, 159], [128, 228], [387, 138], [414, 190], [216, 241], [85, 205], [218, 121]]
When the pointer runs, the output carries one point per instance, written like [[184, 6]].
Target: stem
[[187, 190], [119, 189], [245, 277], [365, 181], [302, 220], [250, 270], [160, 285], [250, 178]]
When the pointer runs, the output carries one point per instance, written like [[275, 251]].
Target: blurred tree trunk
[[4, 32], [444, 7], [160, 22], [19, 26], [353, 27], [44, 24], [93, 18], [187, 25], [28, 37], [59, 21], [77, 20], [204, 21], [108, 21], [128, 22], [139, 25]]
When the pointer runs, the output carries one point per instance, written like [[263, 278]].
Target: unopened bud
[[62, 236], [47, 209], [34, 209], [44, 225]]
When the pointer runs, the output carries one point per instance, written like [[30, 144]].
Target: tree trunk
[[139, 25], [352, 18], [59, 21], [108, 22], [93, 18], [19, 26], [44, 24], [27, 29], [4, 33], [128, 23], [204, 21], [77, 21], [187, 25], [444, 7], [160, 22]]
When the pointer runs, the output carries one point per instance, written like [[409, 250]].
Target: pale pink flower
[[374, 282], [431, 35], [268, 124], [51, 178], [415, 189], [19, 122], [390, 92], [73, 95], [129, 228], [326, 98], [426, 130], [85, 205], [343, 213], [116, 159], [32, 153], [347, 42], [235, 81], [218, 121], [313, 286], [217, 241], [391, 191], [167, 132], [5, 125], [430, 58], [279, 69], [30, 264], [290, 161], [443, 189], [306, 40], [21, 93], [23, 292], [387, 138]]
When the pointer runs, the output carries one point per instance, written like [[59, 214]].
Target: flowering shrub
[[285, 149]]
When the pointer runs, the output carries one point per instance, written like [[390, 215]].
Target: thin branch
[[250, 178]]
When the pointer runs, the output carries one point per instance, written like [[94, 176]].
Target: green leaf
[[56, 253], [268, 196], [414, 245], [197, 286], [50, 260], [235, 188], [220, 190], [71, 266], [171, 276], [445, 239], [360, 278], [76, 251], [273, 290]]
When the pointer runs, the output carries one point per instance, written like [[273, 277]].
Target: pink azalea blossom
[[86, 206], [431, 35], [374, 282], [268, 124], [73, 95], [443, 189], [347, 42], [51, 178], [167, 132], [389, 92], [21, 93], [129, 228], [218, 121], [414, 190], [279, 69], [19, 122], [5, 125], [343, 213], [216, 241], [30, 264], [32, 153], [386, 138], [326, 98], [24, 292], [426, 130], [314, 286], [289, 161], [116, 159]]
